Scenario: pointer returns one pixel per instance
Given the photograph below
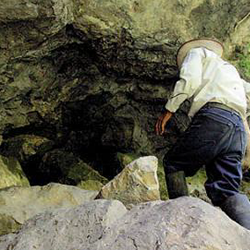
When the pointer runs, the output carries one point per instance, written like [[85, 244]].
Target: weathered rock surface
[[65, 167], [184, 223], [23, 147], [11, 173], [92, 78], [141, 37], [86, 79], [17, 204], [136, 183]]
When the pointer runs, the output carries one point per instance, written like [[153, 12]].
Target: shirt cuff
[[171, 107]]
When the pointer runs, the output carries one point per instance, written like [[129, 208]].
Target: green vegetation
[[243, 58]]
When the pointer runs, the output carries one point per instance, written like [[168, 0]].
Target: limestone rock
[[67, 229], [11, 173], [17, 204], [136, 183], [184, 223], [126, 159]]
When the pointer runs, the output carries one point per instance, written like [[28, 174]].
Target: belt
[[220, 106]]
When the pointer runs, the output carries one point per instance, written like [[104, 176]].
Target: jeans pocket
[[210, 127], [194, 147]]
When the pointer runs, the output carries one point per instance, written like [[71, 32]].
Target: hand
[[162, 121]]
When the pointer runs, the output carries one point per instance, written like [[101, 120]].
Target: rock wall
[[90, 78]]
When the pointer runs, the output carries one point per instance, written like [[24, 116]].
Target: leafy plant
[[244, 61]]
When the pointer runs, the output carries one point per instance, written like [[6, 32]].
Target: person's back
[[221, 83], [208, 78], [216, 137]]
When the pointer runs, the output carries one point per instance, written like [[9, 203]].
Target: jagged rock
[[126, 159], [136, 183], [27, 26], [21, 203], [22, 147], [64, 167], [141, 37], [11, 173], [184, 223]]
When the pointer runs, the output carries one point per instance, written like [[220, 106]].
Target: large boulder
[[137, 183], [18, 204], [184, 223]]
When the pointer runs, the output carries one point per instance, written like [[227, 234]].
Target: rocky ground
[[184, 223], [81, 86], [82, 82], [126, 214]]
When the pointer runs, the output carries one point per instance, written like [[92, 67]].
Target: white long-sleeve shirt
[[207, 78]]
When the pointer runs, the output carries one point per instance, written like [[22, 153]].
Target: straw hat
[[210, 44]]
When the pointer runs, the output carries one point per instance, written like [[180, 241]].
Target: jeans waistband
[[220, 106]]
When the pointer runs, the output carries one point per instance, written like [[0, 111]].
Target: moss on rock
[[125, 159], [82, 172], [90, 185], [8, 224], [245, 187], [11, 173]]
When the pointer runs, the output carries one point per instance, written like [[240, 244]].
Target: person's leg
[[195, 148], [237, 207], [224, 176], [224, 179]]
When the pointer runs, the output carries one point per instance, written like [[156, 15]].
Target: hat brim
[[210, 44]]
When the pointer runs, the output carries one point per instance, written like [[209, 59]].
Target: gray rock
[[184, 223], [66, 228], [181, 224], [18, 204]]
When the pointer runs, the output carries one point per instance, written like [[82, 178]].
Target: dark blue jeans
[[216, 139]]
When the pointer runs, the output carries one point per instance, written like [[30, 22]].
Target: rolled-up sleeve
[[190, 79]]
